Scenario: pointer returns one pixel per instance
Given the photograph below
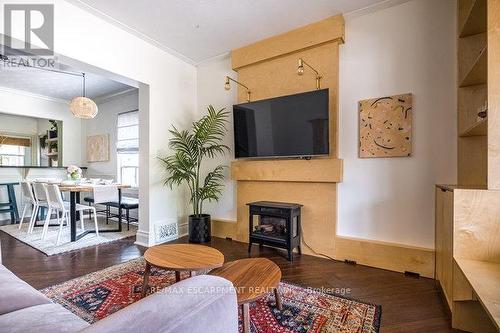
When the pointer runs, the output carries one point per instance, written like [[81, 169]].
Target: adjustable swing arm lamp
[[300, 71], [227, 86]]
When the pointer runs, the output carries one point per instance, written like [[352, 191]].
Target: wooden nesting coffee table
[[253, 279], [180, 257]]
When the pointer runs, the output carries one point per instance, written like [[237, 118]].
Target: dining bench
[[128, 204]]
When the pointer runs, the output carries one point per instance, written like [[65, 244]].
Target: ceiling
[[58, 85], [201, 29]]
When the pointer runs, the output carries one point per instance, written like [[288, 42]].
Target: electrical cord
[[311, 249]]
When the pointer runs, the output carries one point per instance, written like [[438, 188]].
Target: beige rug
[[49, 247]]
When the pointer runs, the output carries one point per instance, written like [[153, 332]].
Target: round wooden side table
[[253, 279], [180, 257]]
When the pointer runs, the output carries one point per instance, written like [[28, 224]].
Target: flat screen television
[[287, 126]]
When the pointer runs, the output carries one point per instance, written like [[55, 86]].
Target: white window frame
[[16, 155], [134, 151]]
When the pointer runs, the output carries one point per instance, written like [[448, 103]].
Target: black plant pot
[[199, 228]]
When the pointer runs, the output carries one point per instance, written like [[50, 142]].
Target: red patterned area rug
[[97, 295]]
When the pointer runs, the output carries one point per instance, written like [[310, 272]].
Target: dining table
[[74, 198]]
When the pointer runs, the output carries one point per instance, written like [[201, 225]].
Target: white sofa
[[198, 304]]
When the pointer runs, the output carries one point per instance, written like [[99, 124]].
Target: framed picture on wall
[[98, 148], [385, 126]]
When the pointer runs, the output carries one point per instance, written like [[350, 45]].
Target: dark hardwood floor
[[408, 304]]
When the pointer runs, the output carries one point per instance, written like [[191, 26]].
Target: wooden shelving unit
[[472, 92], [467, 214]]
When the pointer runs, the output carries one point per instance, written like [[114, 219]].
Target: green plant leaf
[[190, 148]]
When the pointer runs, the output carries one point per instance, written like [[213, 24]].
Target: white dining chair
[[40, 201], [29, 200], [56, 203]]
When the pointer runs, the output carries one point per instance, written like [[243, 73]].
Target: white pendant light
[[83, 107]]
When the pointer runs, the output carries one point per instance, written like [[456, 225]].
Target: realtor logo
[[30, 28]]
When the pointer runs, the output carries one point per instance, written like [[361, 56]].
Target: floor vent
[[166, 232], [412, 274], [350, 262]]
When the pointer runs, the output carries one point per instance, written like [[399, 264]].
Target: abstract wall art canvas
[[98, 148], [385, 126]]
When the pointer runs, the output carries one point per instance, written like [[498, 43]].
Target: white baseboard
[[142, 238], [183, 230]]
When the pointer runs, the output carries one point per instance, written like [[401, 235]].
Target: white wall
[[402, 49], [167, 96], [211, 78], [105, 123], [406, 48], [19, 103], [14, 124]]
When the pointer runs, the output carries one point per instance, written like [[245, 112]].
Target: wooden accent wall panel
[[278, 77], [269, 69], [394, 257], [320, 170], [494, 94], [224, 228], [327, 30], [318, 212]]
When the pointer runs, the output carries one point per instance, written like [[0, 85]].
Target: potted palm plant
[[184, 166]]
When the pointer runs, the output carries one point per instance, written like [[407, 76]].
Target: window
[[12, 155], [14, 150], [127, 148]]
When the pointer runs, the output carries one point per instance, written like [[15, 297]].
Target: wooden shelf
[[478, 73], [480, 128], [453, 187], [475, 18], [316, 170], [484, 278]]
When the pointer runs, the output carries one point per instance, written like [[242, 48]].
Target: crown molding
[[32, 95], [374, 8], [107, 18], [225, 55], [106, 98], [94, 11]]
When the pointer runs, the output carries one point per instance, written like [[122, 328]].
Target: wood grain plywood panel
[[444, 242], [494, 94], [477, 225], [470, 101], [472, 160], [223, 228], [278, 77], [470, 316], [472, 17], [319, 209], [394, 257], [484, 279], [469, 50], [327, 30], [319, 170], [385, 126], [464, 10]]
